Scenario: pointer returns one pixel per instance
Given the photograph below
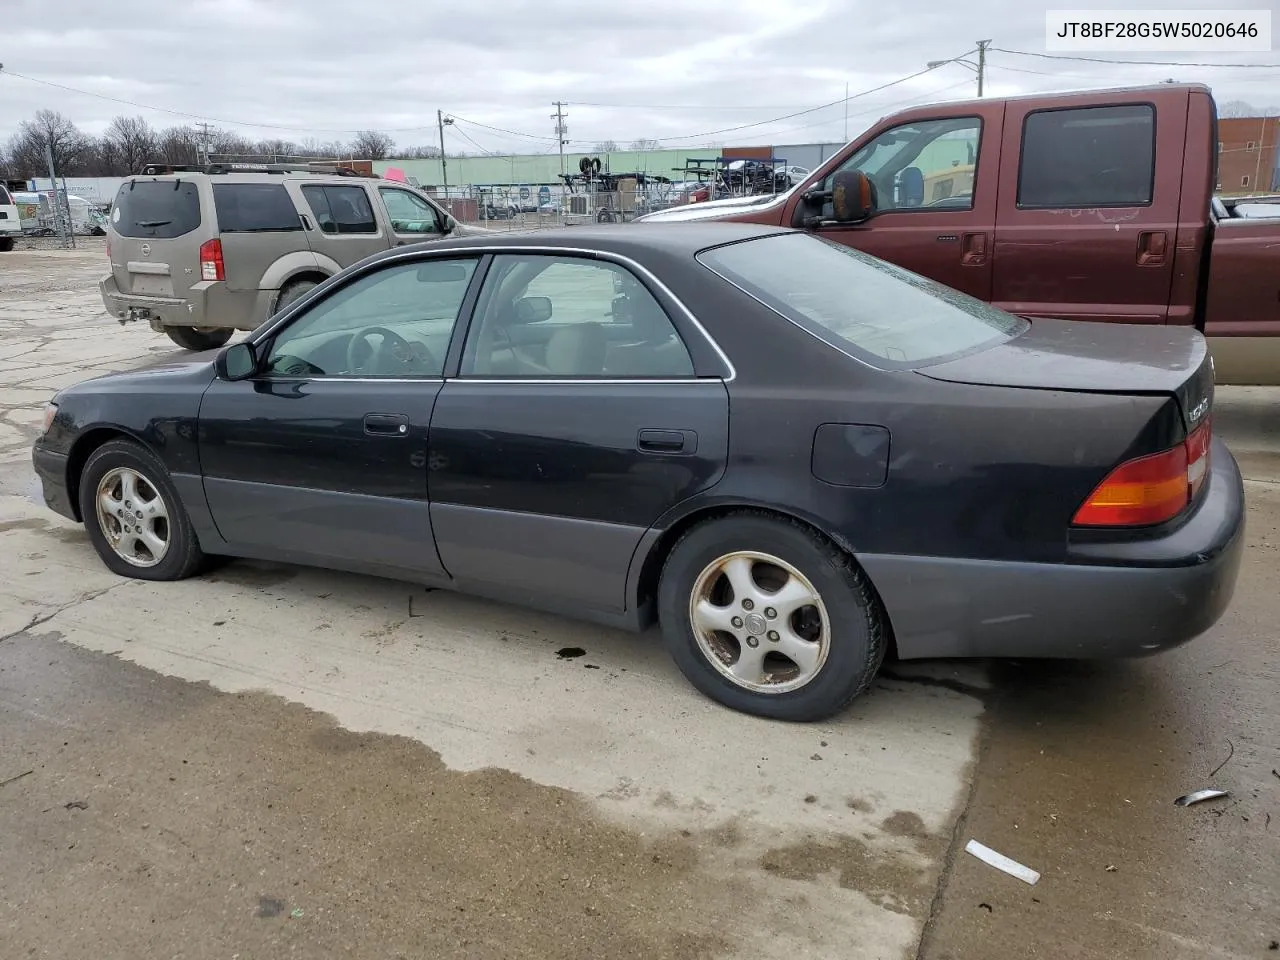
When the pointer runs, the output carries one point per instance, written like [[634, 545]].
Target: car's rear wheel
[[294, 291], [134, 516], [199, 338], [767, 617]]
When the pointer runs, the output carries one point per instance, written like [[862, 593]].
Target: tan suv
[[199, 252]]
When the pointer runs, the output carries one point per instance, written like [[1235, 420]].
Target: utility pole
[[203, 148], [982, 63], [558, 117], [846, 113], [441, 120], [62, 225]]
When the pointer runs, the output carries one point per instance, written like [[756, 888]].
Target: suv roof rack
[[215, 169]]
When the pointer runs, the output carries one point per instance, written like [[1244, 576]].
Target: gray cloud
[[674, 71]]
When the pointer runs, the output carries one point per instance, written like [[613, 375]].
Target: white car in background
[[10, 220]]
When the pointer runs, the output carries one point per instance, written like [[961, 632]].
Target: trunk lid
[[156, 231], [1085, 357]]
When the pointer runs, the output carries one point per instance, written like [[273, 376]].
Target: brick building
[[1247, 155]]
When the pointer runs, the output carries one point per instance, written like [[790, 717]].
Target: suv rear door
[[157, 226], [258, 224], [1085, 229], [343, 225]]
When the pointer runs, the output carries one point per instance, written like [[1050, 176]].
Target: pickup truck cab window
[[1088, 157], [926, 164]]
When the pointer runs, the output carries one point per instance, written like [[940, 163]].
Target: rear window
[[156, 209], [254, 208], [5, 199], [886, 316]]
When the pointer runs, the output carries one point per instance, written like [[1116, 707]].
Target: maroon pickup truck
[[1089, 206]]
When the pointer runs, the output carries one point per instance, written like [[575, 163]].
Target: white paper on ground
[[1001, 862]]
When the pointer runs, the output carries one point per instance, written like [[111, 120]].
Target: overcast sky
[[675, 71]]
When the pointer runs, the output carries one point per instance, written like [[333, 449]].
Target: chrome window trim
[[617, 258]]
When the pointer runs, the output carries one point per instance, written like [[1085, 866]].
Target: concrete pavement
[[422, 774]]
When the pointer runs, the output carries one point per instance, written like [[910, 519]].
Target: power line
[[801, 113], [1140, 63], [196, 116]]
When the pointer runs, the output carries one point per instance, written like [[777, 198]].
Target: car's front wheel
[[767, 617], [134, 516], [6, 244], [199, 338]]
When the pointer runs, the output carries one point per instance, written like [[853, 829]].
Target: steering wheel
[[392, 345]]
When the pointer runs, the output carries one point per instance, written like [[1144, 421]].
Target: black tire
[[293, 292], [857, 636], [183, 556], [190, 338], [6, 244]]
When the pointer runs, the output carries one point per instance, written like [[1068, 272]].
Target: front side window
[[340, 209], [1088, 157], [408, 212], [890, 317], [394, 322], [925, 164], [556, 316]]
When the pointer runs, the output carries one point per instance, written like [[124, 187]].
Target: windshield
[[882, 314]]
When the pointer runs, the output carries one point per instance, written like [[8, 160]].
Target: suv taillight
[[1151, 489], [211, 265]]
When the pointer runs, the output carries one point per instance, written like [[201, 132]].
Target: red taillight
[[211, 265], [1150, 489]]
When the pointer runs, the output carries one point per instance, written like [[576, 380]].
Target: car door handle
[[975, 250], [667, 441], [306, 221], [386, 424], [1152, 246]]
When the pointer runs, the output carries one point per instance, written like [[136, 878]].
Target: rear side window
[[340, 209], [254, 208], [1088, 157], [889, 317], [156, 209], [5, 199]]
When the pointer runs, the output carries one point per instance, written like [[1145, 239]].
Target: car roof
[[628, 240]]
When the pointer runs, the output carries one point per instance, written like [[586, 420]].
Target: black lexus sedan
[[795, 457]]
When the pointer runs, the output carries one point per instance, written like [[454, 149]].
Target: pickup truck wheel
[[294, 291], [6, 244], [199, 338], [770, 618]]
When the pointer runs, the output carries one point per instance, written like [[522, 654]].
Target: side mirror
[[852, 196], [237, 362], [533, 309]]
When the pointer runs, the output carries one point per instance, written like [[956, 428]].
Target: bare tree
[[605, 146], [129, 142], [180, 145], [421, 152], [644, 145], [1237, 108], [50, 129], [372, 145]]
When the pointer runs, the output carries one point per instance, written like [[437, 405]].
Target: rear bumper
[[1137, 602], [51, 468], [207, 304]]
